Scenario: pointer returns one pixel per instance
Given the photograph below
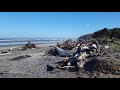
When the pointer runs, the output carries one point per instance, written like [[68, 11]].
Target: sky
[[55, 24]]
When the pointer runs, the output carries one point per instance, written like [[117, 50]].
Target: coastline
[[31, 63], [33, 66], [18, 42], [17, 46]]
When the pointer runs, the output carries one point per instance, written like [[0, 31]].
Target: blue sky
[[55, 24]]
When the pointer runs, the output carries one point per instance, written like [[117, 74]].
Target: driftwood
[[68, 45], [29, 46], [5, 53], [79, 52], [66, 67], [21, 57], [62, 52], [98, 45]]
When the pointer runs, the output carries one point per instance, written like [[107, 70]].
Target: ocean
[[21, 41]]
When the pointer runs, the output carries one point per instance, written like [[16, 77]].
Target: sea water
[[21, 41]]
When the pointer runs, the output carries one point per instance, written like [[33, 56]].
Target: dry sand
[[31, 67], [35, 66]]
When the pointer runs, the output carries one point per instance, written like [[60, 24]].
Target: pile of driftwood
[[29, 45], [68, 45], [77, 58]]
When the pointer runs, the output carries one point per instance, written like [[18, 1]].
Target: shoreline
[[18, 65], [15, 46]]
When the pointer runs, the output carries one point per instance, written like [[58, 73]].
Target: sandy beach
[[59, 45], [31, 63], [33, 66]]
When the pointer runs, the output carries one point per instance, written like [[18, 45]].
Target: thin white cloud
[[87, 25]]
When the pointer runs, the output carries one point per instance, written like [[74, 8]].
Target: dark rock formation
[[107, 33]]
